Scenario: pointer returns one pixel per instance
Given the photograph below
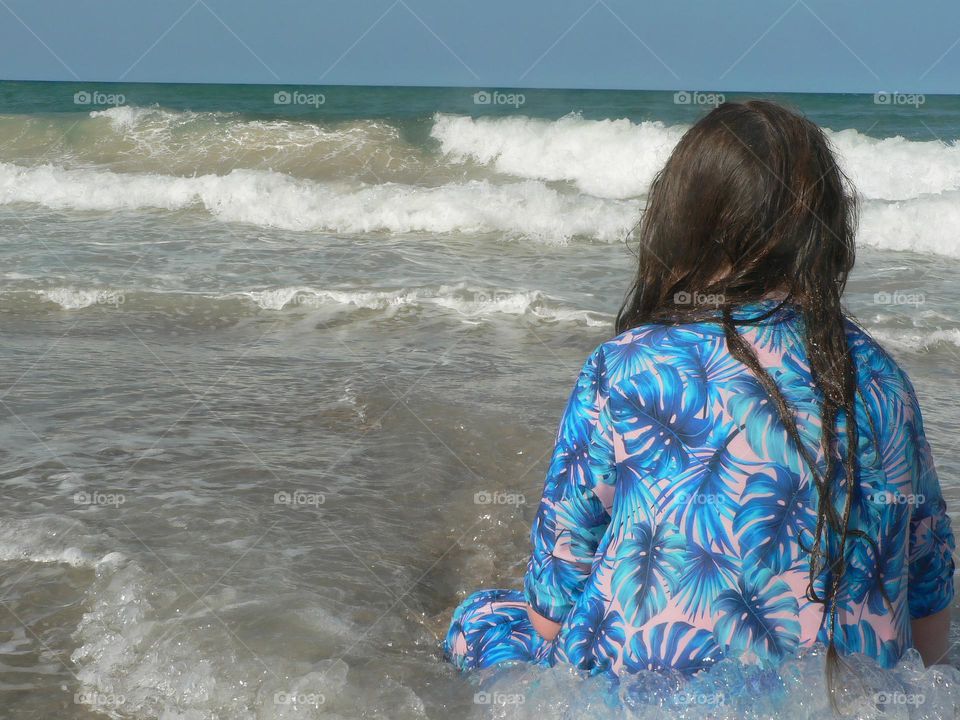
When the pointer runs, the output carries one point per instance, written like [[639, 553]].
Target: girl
[[742, 472]]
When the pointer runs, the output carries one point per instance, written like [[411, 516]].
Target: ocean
[[282, 366]]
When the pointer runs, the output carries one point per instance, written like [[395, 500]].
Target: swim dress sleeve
[[574, 510], [931, 539]]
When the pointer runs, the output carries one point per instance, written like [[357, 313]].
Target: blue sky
[[753, 45]]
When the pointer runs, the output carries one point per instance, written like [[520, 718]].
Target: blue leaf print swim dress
[[669, 531]]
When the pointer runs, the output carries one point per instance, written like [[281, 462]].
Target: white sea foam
[[896, 168], [618, 158], [126, 116], [52, 539], [929, 224], [271, 199], [465, 300], [916, 340], [142, 648], [194, 664], [166, 132], [605, 158], [470, 302], [138, 139]]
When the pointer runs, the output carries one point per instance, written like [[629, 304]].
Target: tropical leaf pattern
[[677, 512], [595, 636], [862, 638], [672, 646], [647, 566], [491, 627], [703, 499], [705, 575], [758, 617], [659, 416], [775, 509]]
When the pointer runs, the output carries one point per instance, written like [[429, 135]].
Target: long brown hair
[[750, 204]]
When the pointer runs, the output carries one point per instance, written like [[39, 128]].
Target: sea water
[[279, 381]]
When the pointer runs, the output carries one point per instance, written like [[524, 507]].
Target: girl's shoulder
[[652, 348], [876, 368]]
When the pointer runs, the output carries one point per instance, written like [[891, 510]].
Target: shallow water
[[255, 425]]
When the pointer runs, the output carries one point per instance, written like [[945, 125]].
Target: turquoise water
[[260, 360], [938, 116]]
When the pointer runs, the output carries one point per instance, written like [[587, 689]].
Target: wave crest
[[270, 199], [469, 302], [619, 158]]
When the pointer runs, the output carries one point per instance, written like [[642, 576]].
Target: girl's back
[[678, 512]]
